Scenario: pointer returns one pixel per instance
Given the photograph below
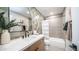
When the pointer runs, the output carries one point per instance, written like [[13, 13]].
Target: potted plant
[[5, 26]]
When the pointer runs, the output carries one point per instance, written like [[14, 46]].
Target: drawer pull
[[36, 49]]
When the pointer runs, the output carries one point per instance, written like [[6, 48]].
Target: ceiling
[[45, 11], [48, 11]]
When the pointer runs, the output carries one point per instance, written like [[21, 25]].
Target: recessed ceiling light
[[11, 16]]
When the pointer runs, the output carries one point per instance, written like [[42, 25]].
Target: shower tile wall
[[56, 27]]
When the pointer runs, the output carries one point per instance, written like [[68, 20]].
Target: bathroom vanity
[[31, 43]]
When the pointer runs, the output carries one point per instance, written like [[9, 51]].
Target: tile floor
[[57, 44]]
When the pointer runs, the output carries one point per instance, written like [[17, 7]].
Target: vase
[[35, 32], [5, 37]]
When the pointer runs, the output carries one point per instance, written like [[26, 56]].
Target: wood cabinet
[[38, 46], [31, 43]]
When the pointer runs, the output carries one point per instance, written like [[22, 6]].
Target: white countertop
[[19, 44]]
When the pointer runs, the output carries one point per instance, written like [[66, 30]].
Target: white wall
[[75, 25]]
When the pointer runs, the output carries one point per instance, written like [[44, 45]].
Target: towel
[[65, 27]]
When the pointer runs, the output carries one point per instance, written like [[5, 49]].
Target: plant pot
[[5, 37]]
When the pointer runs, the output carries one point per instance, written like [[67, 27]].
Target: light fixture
[[27, 12]]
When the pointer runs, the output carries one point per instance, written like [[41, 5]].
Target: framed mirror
[[22, 18]]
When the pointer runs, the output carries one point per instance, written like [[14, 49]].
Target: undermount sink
[[32, 36]]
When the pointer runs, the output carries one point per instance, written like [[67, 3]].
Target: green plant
[[4, 25]]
